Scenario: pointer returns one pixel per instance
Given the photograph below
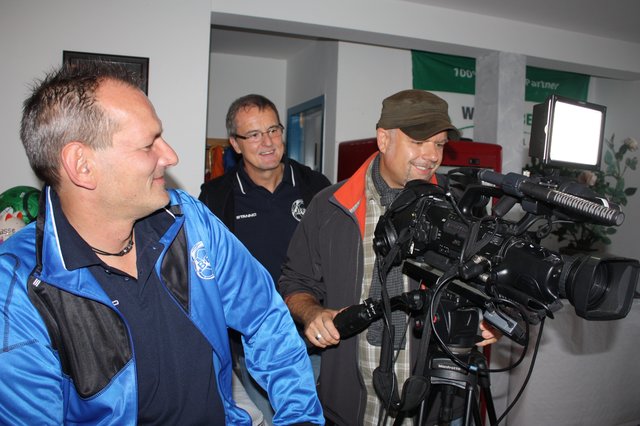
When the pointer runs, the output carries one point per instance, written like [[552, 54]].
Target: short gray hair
[[63, 108], [247, 101]]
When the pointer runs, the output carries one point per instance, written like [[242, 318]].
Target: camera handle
[[356, 318]]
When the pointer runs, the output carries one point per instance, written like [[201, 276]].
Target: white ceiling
[[235, 41], [615, 19]]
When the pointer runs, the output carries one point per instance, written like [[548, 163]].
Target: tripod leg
[[476, 414], [491, 410], [484, 384], [445, 413], [469, 405], [425, 406], [422, 414], [472, 408]]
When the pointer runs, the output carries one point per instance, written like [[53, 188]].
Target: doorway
[[305, 124]]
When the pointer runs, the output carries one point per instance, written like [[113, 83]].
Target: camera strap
[[385, 381]]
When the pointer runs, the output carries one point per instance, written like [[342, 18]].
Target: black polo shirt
[[265, 221], [174, 365]]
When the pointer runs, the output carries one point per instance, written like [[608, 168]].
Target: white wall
[[586, 373], [367, 75], [232, 76], [33, 34], [312, 73], [623, 112], [412, 25]]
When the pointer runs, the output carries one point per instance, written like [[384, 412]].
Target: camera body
[[501, 257]]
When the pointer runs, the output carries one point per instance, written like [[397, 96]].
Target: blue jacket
[[65, 351]]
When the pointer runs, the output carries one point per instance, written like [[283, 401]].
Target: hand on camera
[[320, 330], [489, 333]]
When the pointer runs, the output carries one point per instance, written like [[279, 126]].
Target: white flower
[[631, 143], [587, 178]]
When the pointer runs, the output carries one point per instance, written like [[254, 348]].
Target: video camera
[[447, 229]]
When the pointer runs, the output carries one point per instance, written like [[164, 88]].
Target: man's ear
[[77, 164], [234, 145], [383, 138]]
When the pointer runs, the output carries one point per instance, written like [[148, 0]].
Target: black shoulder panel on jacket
[[90, 337], [175, 270]]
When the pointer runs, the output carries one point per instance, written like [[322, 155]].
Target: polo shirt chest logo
[[298, 209], [201, 262], [246, 216]]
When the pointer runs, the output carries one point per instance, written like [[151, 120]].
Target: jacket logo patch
[[298, 209], [201, 261]]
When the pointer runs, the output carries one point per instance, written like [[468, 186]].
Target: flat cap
[[418, 113]]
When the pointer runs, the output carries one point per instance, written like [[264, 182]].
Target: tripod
[[436, 372], [447, 376]]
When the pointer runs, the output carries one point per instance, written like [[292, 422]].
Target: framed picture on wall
[[138, 65]]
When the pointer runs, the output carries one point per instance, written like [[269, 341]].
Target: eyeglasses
[[273, 132]]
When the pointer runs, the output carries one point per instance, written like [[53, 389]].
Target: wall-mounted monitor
[[567, 133]]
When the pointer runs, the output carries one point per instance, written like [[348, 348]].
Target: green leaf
[[630, 191], [623, 150], [608, 159]]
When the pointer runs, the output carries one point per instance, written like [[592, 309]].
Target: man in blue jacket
[[117, 300]]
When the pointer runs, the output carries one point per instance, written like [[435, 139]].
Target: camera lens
[[599, 287], [586, 282]]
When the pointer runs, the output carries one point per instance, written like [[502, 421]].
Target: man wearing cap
[[331, 261]]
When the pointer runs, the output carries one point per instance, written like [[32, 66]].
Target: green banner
[[457, 74], [443, 73], [541, 83]]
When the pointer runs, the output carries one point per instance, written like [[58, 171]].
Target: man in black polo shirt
[[264, 197]]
